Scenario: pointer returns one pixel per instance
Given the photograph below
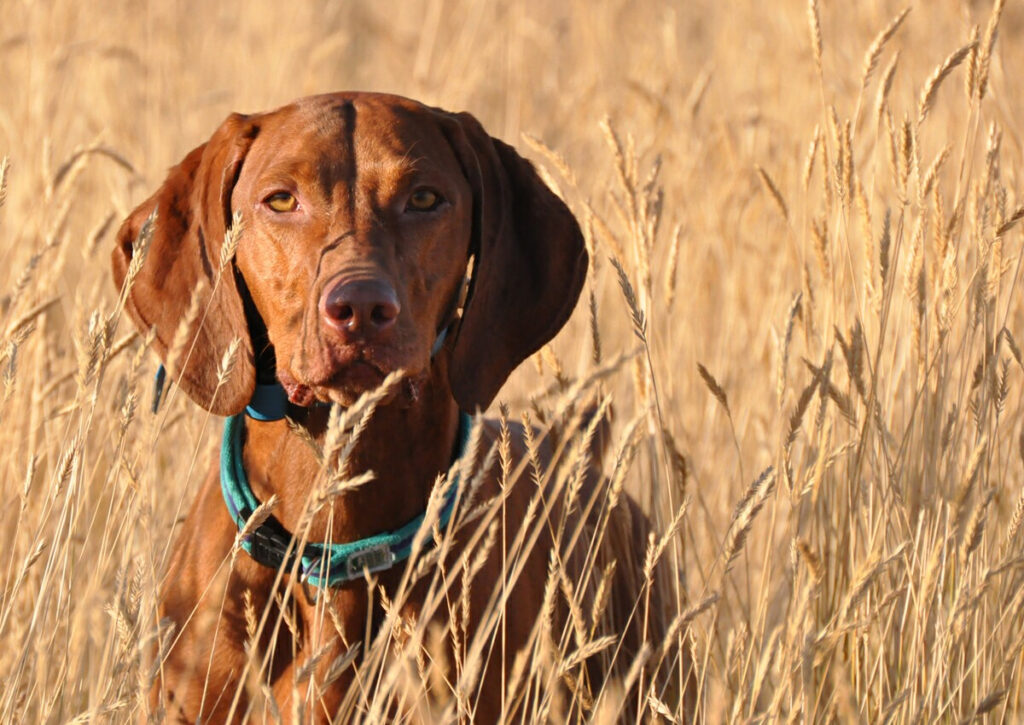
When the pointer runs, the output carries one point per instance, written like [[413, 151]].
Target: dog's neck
[[405, 444]]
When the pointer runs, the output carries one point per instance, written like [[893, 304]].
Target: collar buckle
[[270, 547]]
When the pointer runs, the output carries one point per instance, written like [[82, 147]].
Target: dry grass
[[799, 283]]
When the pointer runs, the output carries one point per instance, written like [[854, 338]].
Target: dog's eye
[[282, 201], [424, 200]]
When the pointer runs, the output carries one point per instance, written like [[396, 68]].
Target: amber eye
[[424, 200], [282, 201]]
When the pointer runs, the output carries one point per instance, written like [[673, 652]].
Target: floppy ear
[[193, 209], [530, 266]]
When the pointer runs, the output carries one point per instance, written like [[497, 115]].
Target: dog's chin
[[350, 383]]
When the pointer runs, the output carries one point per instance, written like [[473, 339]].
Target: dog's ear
[[183, 259], [530, 265]]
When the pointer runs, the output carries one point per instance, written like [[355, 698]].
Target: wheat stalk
[[5, 167], [884, 88], [931, 86], [743, 517], [774, 191], [874, 51], [988, 42], [814, 24]]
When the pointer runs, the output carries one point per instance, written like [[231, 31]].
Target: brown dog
[[359, 215]]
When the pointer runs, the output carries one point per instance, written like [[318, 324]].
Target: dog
[[322, 247]]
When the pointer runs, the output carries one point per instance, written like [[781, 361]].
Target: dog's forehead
[[356, 129]]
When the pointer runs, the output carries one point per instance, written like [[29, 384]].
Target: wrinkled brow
[[286, 171]]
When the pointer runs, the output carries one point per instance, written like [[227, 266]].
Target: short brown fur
[[351, 161]]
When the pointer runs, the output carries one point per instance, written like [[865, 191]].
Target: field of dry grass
[[805, 229]]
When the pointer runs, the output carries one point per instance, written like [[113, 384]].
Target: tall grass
[[804, 305]]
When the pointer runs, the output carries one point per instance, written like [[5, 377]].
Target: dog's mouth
[[343, 379], [351, 381]]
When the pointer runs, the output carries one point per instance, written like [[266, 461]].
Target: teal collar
[[320, 564]]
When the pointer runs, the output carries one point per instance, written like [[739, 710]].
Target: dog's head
[[359, 214]]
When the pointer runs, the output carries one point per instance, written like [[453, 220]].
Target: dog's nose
[[360, 308]]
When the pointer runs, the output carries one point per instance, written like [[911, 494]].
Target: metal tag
[[374, 558]]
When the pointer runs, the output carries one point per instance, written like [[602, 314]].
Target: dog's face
[[357, 221], [359, 214]]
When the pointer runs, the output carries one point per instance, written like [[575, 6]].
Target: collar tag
[[374, 558]]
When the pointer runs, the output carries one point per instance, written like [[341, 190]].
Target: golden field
[[816, 210]]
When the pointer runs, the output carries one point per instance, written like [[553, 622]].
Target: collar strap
[[268, 402], [320, 564], [439, 342], [159, 383]]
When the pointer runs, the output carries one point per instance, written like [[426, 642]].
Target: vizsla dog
[[359, 215]]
